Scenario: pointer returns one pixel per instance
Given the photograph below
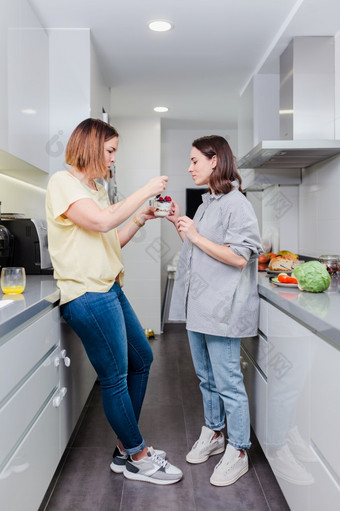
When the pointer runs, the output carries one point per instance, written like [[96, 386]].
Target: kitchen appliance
[[29, 247], [306, 113], [6, 247]]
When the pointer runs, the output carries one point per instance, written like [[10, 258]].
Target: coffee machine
[[6, 247]]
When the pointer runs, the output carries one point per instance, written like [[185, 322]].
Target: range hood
[[307, 109], [289, 154]]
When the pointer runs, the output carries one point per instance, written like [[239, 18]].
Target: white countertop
[[320, 312], [41, 292]]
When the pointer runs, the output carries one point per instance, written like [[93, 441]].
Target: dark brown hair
[[225, 172], [85, 148]]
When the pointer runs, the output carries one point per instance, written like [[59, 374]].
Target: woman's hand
[[145, 214], [174, 213], [156, 185], [186, 226]]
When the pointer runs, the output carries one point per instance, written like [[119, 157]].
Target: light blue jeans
[[120, 353], [217, 365]]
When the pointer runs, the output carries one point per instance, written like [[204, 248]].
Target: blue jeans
[[217, 365], [120, 353]]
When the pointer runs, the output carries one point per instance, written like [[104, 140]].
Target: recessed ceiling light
[[161, 109], [28, 111], [160, 25]]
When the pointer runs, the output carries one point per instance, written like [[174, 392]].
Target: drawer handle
[[243, 363], [57, 400], [67, 360]]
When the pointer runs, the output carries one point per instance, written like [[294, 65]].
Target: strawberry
[[167, 198]]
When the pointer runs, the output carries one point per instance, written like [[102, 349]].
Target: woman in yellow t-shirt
[[85, 248]]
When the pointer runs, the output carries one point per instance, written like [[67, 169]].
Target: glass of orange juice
[[13, 280]]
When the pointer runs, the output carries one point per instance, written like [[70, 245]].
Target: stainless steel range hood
[[289, 154], [307, 109]]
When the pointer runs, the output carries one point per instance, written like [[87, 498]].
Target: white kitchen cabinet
[[24, 89], [28, 95], [256, 386], [299, 400], [77, 376], [45, 379]]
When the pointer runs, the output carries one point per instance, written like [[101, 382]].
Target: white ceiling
[[199, 68]]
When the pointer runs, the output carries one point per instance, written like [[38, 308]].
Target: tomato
[[283, 278], [263, 258], [286, 279], [292, 280]]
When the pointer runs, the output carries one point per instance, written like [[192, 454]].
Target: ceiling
[[198, 69]]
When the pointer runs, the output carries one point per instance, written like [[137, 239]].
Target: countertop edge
[[321, 326], [38, 302]]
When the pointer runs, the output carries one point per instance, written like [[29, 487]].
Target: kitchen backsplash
[[20, 197]]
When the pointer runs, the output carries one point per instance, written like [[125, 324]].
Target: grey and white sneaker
[[120, 458], [230, 468], [152, 469], [205, 446]]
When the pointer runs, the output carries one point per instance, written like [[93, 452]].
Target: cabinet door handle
[[67, 360], [57, 401], [244, 365], [59, 397]]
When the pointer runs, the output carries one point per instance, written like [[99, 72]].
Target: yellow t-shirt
[[83, 261]]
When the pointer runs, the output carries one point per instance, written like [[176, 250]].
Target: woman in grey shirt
[[215, 292]]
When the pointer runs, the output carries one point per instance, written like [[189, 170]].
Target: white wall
[[20, 197], [138, 160], [176, 147]]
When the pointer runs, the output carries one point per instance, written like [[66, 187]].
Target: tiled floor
[[171, 420]]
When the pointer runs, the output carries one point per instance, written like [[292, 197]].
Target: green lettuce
[[312, 276]]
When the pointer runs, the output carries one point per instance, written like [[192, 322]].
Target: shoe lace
[[160, 461]]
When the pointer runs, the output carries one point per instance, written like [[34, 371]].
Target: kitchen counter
[[41, 293], [319, 312]]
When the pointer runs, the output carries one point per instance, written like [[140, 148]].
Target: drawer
[[21, 409], [256, 387], [257, 348], [19, 355], [27, 475], [263, 317], [325, 385]]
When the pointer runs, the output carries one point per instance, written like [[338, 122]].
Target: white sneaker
[[205, 446], [120, 458], [230, 468], [152, 469]]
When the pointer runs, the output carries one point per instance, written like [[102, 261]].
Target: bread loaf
[[282, 264]]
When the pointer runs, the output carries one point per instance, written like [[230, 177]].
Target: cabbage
[[312, 276]]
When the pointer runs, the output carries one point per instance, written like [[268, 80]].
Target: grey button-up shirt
[[213, 297]]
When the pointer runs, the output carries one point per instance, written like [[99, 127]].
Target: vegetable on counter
[[263, 258], [286, 279], [312, 276]]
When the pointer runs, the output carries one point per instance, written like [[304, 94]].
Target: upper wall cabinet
[[28, 95], [24, 93]]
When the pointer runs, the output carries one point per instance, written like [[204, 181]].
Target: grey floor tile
[[171, 419], [86, 483]]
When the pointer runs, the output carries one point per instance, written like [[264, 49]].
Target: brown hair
[[85, 148], [225, 172]]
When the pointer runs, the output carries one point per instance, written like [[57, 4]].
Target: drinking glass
[[13, 280]]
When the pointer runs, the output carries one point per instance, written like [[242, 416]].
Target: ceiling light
[[28, 111], [160, 25], [161, 109]]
